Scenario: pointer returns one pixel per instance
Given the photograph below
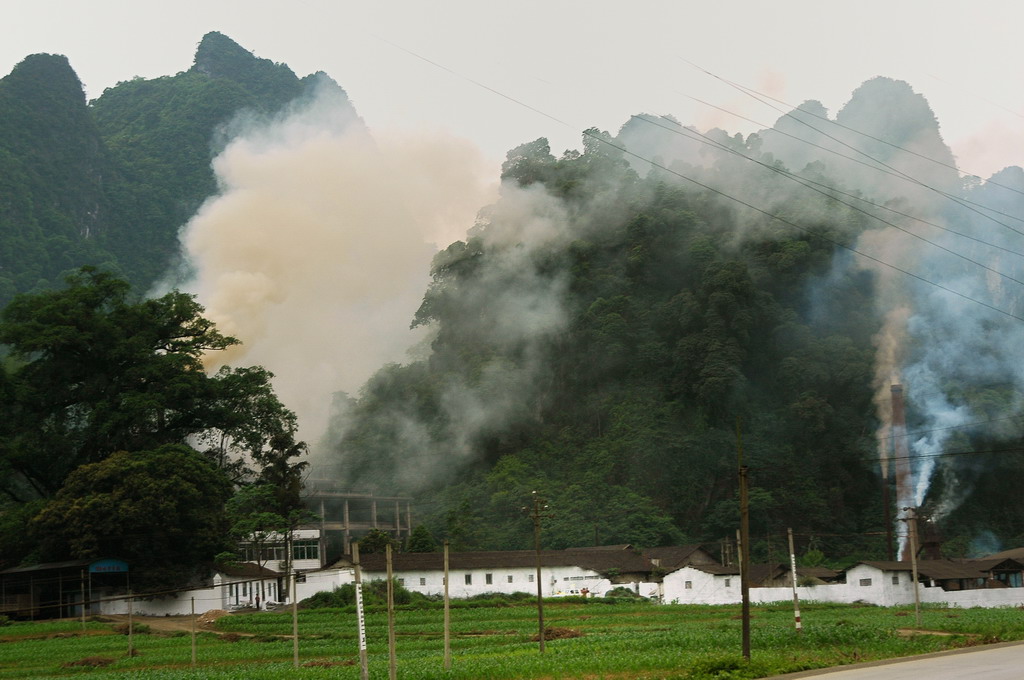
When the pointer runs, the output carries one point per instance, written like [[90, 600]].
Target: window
[[488, 579], [510, 578], [469, 579], [530, 578], [423, 581], [401, 581], [865, 581], [688, 585], [245, 589], [896, 580], [728, 583], [307, 549]]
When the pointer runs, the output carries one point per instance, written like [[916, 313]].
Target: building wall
[[863, 584], [555, 581], [703, 588], [226, 593]]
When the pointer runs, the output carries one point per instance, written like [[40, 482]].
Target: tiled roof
[[675, 557], [626, 561], [938, 570], [1013, 554], [248, 569]]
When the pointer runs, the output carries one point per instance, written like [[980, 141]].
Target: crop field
[[625, 641]]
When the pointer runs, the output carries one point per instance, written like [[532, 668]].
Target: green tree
[[96, 371], [162, 511], [376, 541], [421, 541]]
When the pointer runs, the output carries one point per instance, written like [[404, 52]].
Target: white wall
[[325, 579], [704, 588], [555, 581]]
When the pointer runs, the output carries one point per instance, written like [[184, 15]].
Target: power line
[[883, 141], [739, 201], [809, 184], [962, 202], [839, 191]]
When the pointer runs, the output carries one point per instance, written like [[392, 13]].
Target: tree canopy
[[94, 371], [162, 511]]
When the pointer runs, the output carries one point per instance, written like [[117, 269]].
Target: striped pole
[[792, 578]]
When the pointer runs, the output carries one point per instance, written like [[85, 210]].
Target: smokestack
[[901, 453]]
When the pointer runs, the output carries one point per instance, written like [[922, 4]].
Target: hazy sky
[[584, 63]]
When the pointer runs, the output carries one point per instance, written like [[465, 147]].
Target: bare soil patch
[[92, 661]]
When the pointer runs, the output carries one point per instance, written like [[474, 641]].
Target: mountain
[[623, 320], [53, 166], [614, 329], [112, 181]]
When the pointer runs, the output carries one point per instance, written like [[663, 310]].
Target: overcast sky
[[572, 65]]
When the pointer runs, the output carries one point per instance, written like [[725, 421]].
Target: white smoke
[[317, 249]]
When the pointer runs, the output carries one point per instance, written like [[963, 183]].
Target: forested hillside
[[627, 318], [611, 333], [111, 182], [607, 361]]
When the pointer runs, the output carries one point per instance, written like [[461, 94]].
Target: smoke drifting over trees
[[606, 317], [317, 248], [591, 324]]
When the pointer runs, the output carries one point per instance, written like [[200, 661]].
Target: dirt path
[[169, 624]]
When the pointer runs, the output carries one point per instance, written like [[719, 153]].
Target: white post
[[447, 615], [193, 632], [364, 662], [792, 574]]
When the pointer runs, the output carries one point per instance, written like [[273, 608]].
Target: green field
[[621, 641]]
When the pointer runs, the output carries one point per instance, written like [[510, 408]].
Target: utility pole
[[539, 505], [364, 662], [447, 614], [392, 659], [792, 575], [744, 547], [911, 520]]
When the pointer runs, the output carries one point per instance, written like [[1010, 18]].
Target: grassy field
[[622, 641]]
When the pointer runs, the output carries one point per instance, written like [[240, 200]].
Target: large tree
[[162, 511], [94, 370]]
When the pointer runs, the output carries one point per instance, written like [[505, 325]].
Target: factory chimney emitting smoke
[[901, 456]]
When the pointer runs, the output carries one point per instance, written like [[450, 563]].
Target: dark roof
[[937, 570], [1001, 563], [597, 560], [675, 557], [248, 569], [715, 569], [824, 573], [1013, 554], [50, 566], [47, 566]]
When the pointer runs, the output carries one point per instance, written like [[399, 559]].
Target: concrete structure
[[967, 583], [563, 572], [345, 515]]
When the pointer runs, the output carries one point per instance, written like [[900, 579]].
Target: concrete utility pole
[[364, 662], [911, 520], [792, 578], [744, 547], [392, 658], [539, 504], [447, 614], [744, 560]]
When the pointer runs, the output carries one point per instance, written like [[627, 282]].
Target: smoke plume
[[316, 251]]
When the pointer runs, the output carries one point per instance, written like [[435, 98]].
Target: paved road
[[995, 662]]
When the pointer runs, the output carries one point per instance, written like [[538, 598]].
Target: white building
[[563, 572]]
